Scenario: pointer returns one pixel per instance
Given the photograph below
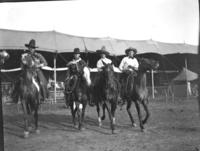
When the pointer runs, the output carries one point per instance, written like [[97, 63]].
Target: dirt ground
[[173, 126]]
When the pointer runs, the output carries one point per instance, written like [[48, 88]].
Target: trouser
[[43, 84], [124, 79]]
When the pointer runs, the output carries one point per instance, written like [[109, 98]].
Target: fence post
[[152, 82]]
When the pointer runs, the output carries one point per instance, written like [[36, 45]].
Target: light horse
[[137, 90], [77, 95], [105, 94], [29, 95]]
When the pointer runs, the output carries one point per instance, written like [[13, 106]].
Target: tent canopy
[[52, 41], [186, 75]]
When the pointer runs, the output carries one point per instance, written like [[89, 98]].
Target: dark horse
[[77, 95], [137, 90], [105, 93], [29, 95]]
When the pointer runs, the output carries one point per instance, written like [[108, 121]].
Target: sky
[[173, 21]]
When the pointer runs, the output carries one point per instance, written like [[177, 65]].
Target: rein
[[74, 85]]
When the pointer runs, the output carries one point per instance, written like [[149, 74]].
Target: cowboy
[[72, 72], [129, 65], [103, 60], [77, 59], [129, 62], [38, 62]]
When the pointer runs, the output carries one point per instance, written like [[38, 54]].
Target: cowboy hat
[[102, 51], [77, 51], [130, 49], [31, 44]]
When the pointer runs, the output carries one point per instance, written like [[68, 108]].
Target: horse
[[137, 91], [105, 94], [78, 94], [29, 95]]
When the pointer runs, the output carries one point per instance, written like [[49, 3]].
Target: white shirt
[[127, 61], [74, 61], [100, 62]]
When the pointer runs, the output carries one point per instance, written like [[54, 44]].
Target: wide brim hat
[[102, 51], [131, 49], [31, 44], [77, 51]]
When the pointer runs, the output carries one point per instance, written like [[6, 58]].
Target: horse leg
[[104, 111], [128, 107], [83, 116], [30, 117], [113, 109], [24, 107], [36, 120], [137, 105], [98, 112], [147, 111], [108, 106], [73, 112], [79, 111], [80, 116]]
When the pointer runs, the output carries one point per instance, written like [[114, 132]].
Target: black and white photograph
[[99, 75]]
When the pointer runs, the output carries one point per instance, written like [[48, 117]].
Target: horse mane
[[108, 81], [146, 64]]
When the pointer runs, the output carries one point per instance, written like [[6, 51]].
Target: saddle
[[71, 83], [125, 77]]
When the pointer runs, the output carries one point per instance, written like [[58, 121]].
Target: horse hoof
[[37, 131], [100, 124], [30, 128], [82, 129], [134, 125], [76, 126], [144, 122], [143, 130], [115, 131], [103, 118], [26, 134]]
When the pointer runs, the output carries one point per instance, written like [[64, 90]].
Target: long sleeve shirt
[[36, 59], [100, 62], [126, 62], [75, 61]]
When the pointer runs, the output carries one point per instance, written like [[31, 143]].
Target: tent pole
[[54, 62], [152, 82], [186, 63], [1, 118], [186, 78]]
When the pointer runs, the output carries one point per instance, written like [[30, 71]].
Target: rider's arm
[[121, 66], [99, 64], [23, 60], [83, 63], [43, 61], [136, 64]]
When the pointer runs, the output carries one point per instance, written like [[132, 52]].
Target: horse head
[[27, 60], [81, 70], [108, 75], [148, 64], [28, 67], [108, 69]]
